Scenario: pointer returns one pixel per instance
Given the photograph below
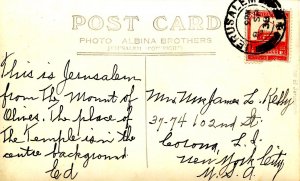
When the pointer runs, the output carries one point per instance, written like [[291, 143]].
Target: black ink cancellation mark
[[251, 18]]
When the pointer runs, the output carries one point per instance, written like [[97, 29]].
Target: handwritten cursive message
[[69, 117]]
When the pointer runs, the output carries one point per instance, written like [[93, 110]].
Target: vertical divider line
[[146, 123]]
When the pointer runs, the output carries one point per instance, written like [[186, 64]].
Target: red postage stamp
[[261, 28]]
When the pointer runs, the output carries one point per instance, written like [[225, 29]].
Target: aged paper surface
[[149, 90]]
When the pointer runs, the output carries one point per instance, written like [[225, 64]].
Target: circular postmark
[[255, 26]]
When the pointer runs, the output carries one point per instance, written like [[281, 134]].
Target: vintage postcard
[[149, 90]]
